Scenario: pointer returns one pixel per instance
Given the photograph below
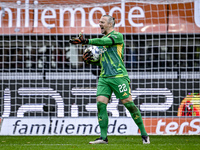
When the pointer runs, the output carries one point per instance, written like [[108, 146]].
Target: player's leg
[[102, 119], [102, 102], [103, 95], [136, 115], [122, 91]]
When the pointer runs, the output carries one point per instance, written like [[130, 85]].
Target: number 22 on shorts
[[122, 88]]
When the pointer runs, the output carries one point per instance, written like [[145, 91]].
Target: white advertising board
[[66, 126]]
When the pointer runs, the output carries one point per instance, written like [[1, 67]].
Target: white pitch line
[[35, 144]]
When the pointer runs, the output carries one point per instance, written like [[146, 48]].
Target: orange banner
[[177, 125], [130, 18]]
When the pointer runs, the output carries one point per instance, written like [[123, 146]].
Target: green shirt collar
[[109, 33]]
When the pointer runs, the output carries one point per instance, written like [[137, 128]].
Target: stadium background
[[39, 67]]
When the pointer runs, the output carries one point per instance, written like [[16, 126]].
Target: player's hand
[[79, 40], [87, 56]]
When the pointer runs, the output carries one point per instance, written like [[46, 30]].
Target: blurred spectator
[[61, 59], [44, 57]]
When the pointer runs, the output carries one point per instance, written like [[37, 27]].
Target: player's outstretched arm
[[96, 41]]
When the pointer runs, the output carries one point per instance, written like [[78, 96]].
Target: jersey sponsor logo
[[102, 50]]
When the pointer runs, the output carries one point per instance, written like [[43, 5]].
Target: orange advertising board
[[130, 17], [177, 125]]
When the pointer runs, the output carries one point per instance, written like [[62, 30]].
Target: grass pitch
[[182, 142]]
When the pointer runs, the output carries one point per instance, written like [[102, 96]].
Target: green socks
[[103, 119], [136, 115]]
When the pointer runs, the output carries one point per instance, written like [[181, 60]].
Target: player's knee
[[102, 99], [126, 100]]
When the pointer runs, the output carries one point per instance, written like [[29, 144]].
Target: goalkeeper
[[113, 77]]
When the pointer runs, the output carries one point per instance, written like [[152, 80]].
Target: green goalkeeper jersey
[[112, 54]]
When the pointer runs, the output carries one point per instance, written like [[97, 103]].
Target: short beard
[[104, 32]]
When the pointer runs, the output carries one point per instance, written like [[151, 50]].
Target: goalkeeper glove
[[87, 56], [79, 40]]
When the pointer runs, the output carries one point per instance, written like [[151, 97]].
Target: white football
[[95, 53]]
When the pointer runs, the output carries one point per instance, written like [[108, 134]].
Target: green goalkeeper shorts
[[120, 86]]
